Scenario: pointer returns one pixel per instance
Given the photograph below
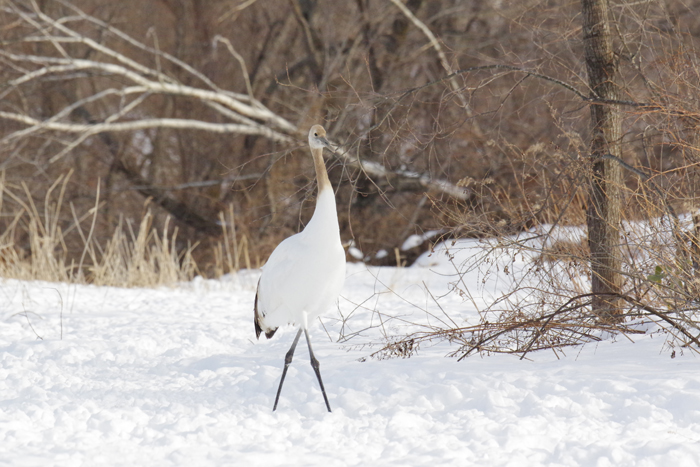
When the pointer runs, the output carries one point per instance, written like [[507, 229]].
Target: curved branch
[[62, 65], [435, 44]]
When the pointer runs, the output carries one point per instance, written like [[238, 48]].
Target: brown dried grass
[[33, 245]]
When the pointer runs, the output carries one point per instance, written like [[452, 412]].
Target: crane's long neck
[[321, 173], [325, 215]]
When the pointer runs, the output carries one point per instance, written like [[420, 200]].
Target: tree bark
[[604, 200]]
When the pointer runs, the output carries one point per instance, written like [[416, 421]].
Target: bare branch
[[438, 48]]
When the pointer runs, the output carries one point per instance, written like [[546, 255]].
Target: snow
[[416, 240], [381, 254], [142, 142], [174, 376]]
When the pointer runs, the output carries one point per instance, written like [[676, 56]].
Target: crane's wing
[[257, 319], [281, 263]]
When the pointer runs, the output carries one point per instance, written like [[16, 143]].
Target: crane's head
[[317, 138]]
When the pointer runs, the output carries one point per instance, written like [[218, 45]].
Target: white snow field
[[174, 376]]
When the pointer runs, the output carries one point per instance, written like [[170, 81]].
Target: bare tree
[[604, 199]]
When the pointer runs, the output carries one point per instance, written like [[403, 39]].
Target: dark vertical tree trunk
[[604, 200]]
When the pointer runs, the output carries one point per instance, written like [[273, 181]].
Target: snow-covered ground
[[174, 376]]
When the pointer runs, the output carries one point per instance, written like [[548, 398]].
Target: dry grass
[[136, 255]]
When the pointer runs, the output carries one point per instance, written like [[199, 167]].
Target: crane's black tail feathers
[[256, 318]]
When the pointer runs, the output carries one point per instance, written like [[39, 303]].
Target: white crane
[[304, 275]]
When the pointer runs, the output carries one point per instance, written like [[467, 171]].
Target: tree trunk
[[603, 216]]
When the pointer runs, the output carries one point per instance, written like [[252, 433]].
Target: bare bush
[[548, 304]]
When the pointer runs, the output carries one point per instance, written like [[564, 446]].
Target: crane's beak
[[325, 142], [330, 146]]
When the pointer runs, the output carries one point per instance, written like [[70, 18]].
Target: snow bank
[[176, 377]]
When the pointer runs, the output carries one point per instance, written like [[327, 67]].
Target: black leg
[[315, 365], [287, 361]]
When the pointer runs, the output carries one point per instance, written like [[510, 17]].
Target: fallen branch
[[571, 324]]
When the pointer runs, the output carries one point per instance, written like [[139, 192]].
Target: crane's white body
[[304, 275]]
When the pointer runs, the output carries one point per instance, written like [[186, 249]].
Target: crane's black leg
[[315, 365], [287, 361]]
